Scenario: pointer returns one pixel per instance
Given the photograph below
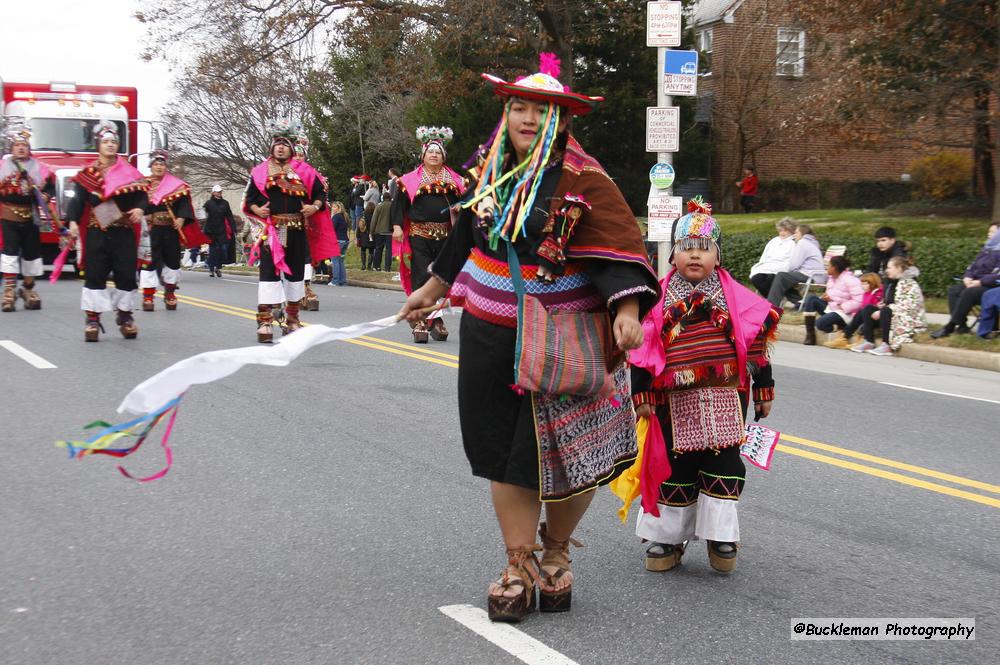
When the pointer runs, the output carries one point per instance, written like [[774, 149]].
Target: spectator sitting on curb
[[806, 260], [886, 247], [983, 274], [837, 305], [989, 314], [775, 257], [871, 289], [901, 315]]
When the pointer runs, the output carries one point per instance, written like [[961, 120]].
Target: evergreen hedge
[[940, 260], [814, 194]]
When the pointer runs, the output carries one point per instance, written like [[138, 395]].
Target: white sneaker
[[862, 347], [882, 349]]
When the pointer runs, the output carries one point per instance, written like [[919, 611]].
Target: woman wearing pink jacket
[[840, 302]]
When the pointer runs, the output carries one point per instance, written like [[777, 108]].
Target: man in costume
[[109, 198], [704, 342], [288, 197], [26, 185], [219, 227], [421, 219], [172, 224]]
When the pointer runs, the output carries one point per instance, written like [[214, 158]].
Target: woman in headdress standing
[[421, 219], [543, 205]]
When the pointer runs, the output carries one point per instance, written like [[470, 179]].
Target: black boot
[[810, 321], [948, 329]]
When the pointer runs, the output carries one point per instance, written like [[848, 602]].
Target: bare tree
[[221, 125]]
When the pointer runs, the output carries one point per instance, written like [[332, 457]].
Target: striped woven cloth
[[484, 289]]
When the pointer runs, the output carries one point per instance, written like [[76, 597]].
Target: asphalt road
[[324, 512]]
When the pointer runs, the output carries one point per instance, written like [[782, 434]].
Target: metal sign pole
[[662, 99]]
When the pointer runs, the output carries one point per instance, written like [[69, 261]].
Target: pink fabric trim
[[120, 175], [411, 181], [747, 310], [168, 185]]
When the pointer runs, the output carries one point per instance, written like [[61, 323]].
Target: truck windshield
[[70, 134]]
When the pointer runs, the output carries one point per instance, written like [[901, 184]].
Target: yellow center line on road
[[449, 360], [931, 473], [365, 341], [889, 475]]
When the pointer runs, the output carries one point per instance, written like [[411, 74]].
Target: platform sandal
[[513, 609], [555, 554], [722, 556], [420, 332], [438, 332], [661, 557]]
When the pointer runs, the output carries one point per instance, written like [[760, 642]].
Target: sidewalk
[[795, 333], [924, 352]]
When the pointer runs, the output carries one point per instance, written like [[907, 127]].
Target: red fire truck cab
[[62, 116]]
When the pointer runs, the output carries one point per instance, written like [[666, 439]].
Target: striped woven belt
[[430, 230], [293, 220], [485, 290], [15, 212]]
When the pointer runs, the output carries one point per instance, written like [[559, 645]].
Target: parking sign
[[680, 73]]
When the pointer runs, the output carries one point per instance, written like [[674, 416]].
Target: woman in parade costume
[[703, 343], [543, 204], [289, 197], [26, 184], [172, 224], [421, 218], [109, 196]]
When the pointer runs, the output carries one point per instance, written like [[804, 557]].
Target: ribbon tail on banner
[[158, 398]]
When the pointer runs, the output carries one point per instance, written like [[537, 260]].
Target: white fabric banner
[[156, 391]]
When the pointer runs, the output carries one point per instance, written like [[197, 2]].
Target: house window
[[791, 58], [705, 51]]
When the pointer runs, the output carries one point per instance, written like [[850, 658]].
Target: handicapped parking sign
[[680, 73]]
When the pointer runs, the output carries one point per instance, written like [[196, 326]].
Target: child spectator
[[748, 189], [364, 236], [872, 292], [703, 343], [886, 247], [901, 314], [838, 304]]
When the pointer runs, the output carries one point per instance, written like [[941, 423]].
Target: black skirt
[[498, 426]]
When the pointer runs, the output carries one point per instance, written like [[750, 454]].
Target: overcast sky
[[86, 41]]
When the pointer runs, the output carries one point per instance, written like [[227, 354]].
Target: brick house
[[756, 63]]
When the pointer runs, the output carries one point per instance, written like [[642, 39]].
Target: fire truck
[[62, 116]]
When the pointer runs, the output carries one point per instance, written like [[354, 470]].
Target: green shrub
[[939, 259], [942, 176], [813, 194]]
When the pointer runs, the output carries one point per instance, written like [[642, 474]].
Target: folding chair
[[813, 277]]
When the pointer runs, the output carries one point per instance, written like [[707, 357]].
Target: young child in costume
[[704, 345]]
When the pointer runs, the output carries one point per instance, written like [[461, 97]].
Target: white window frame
[[705, 38], [788, 64]]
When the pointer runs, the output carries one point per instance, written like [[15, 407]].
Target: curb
[[922, 352], [385, 286]]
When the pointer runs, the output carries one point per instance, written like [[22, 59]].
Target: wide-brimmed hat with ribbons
[[544, 86]]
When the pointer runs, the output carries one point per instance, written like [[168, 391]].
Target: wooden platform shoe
[[93, 328], [28, 295], [170, 296], [126, 324], [265, 321], [555, 554], [520, 576], [147, 299]]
